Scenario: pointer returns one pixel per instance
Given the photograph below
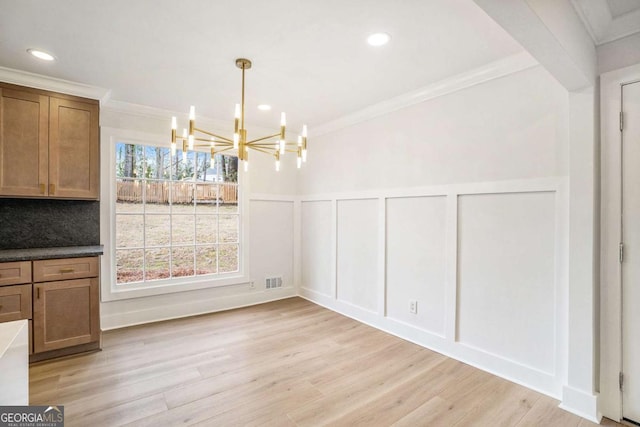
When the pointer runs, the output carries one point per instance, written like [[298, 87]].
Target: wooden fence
[[183, 192]]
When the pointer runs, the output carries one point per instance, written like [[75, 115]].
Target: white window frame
[[110, 290]]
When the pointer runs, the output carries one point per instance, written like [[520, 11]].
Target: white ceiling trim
[[494, 70], [601, 25], [38, 81]]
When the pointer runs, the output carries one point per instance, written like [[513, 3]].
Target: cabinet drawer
[[64, 269], [15, 303], [15, 273]]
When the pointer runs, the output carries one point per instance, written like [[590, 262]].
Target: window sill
[[169, 286]]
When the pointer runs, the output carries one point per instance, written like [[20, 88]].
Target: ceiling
[[609, 20], [310, 58], [622, 7]]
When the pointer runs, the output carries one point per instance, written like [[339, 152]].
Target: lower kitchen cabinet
[[60, 298], [15, 302], [65, 314]]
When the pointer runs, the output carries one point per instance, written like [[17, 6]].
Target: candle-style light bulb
[[213, 142], [246, 165], [304, 131], [184, 157], [299, 162], [184, 133], [192, 113], [283, 119], [174, 123], [277, 165], [299, 141], [304, 155], [190, 139], [173, 148], [236, 140], [237, 112], [283, 144]]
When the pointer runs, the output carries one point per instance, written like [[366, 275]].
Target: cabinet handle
[[52, 188], [42, 188], [38, 292], [66, 270]]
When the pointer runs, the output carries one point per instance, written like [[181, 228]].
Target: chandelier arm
[[291, 143], [223, 150], [266, 144], [217, 143], [213, 134], [263, 138], [262, 150]]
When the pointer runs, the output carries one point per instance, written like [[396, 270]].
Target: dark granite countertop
[[8, 255]]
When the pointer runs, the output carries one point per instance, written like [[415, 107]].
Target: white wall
[[511, 128], [270, 226], [461, 204]]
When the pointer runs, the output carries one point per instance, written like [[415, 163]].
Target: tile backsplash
[[47, 223]]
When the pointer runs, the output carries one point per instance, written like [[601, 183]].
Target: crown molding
[[38, 81], [509, 65], [122, 107]]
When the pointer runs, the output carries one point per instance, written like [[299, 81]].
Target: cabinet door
[[65, 314], [73, 149], [24, 136], [15, 302]]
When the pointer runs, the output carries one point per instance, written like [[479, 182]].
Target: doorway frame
[[611, 85]]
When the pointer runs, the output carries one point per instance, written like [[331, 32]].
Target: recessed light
[[264, 107], [378, 39], [40, 54]]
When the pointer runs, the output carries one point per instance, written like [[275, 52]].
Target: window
[[175, 216]]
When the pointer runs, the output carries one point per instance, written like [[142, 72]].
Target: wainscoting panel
[[316, 246], [506, 281], [357, 252], [486, 263], [416, 264], [271, 241]]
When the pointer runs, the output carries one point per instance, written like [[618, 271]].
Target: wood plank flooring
[[286, 363]]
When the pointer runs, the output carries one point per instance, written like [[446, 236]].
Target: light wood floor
[[287, 363]]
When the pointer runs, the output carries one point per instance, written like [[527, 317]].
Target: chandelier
[[275, 145]]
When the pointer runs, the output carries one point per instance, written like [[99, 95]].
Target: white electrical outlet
[[413, 306]]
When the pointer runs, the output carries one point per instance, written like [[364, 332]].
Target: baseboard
[[580, 403], [542, 382], [184, 305]]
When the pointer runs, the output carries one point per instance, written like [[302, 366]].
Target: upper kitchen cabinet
[[24, 143], [49, 145], [73, 149]]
